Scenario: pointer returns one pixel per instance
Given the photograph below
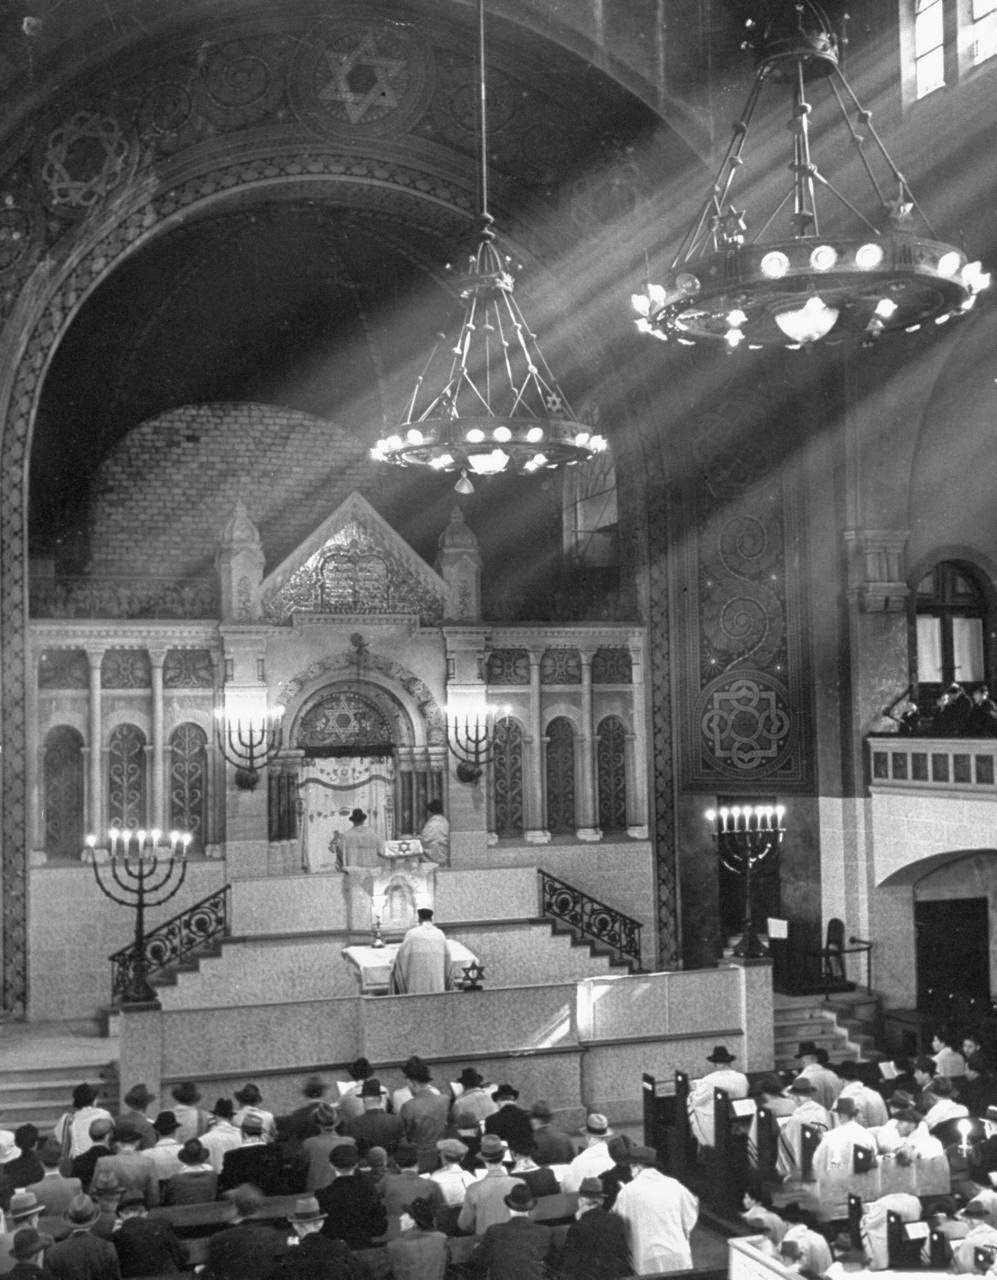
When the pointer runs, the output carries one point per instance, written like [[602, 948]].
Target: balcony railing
[[936, 764]]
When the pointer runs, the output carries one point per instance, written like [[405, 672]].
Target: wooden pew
[[666, 1125]]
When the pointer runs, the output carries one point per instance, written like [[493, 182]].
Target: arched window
[[126, 777], [507, 775], [189, 782], [561, 776], [951, 628], [62, 791], [611, 771]]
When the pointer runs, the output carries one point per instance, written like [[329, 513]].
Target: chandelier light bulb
[[774, 265], [736, 318], [488, 464], [414, 436], [814, 320], [949, 263], [869, 256], [535, 435], [474, 436], [823, 257], [502, 434], [886, 308]]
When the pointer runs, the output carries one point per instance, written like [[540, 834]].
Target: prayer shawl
[[659, 1213], [422, 965]]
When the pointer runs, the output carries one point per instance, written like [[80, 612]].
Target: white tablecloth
[[373, 964]]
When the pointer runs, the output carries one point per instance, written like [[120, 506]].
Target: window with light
[[983, 31], [929, 47]]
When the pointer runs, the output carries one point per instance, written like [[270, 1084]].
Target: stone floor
[[30, 1045]]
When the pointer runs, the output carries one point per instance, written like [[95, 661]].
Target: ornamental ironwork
[[192, 930], [507, 778], [126, 806], [189, 781], [561, 776], [611, 773], [591, 920]]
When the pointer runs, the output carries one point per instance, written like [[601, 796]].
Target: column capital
[[157, 656], [95, 653], [876, 569]]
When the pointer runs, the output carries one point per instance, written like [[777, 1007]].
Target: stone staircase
[[810, 1018], [310, 966], [41, 1065]]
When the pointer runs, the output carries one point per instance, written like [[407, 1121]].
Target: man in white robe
[[659, 1213], [422, 965], [435, 834], [701, 1104], [789, 1161], [838, 1171]]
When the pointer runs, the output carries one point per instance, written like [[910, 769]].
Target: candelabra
[[748, 838], [249, 744], [472, 741], [141, 871]]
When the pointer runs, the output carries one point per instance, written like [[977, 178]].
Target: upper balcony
[[933, 764]]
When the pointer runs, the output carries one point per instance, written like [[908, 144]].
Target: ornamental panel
[[561, 776], [188, 669], [126, 774], [62, 792], [188, 801], [507, 779], [345, 719], [612, 666], [508, 666], [126, 669], [611, 773], [63, 669], [561, 666]]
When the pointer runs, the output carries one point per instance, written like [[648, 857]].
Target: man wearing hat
[[398, 1190], [596, 1246], [358, 846], [222, 1134], [424, 1115], [191, 1119], [422, 962], [982, 1234], [473, 1097], [659, 1213], [301, 1122], [27, 1247], [554, 1146], [135, 1170], [420, 1252], [24, 1211], [844, 1163], [827, 1085], [315, 1256], [517, 1249], [315, 1151], [145, 1246], [374, 1127], [808, 1112], [249, 1249], [594, 1158], [136, 1100], [53, 1190], [870, 1105], [354, 1210], [701, 1105], [83, 1165], [106, 1192], [72, 1129], [165, 1155], [452, 1178], [256, 1161], [510, 1121], [484, 1201], [82, 1255], [23, 1167]]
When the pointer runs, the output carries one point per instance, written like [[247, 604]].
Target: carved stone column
[[95, 773], [158, 815], [36, 752], [637, 764], [588, 815], [534, 796]]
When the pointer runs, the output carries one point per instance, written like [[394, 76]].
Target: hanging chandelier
[[487, 402], [888, 272]]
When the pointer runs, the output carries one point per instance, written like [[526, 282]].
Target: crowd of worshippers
[[919, 1143], [383, 1185]]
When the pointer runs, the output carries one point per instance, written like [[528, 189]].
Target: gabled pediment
[[353, 563]]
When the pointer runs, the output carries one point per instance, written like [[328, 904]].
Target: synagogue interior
[[525, 463]]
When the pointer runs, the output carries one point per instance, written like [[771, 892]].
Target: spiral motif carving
[[742, 621], [238, 86], [164, 110], [743, 542]]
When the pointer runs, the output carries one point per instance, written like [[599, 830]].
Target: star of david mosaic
[[359, 76]]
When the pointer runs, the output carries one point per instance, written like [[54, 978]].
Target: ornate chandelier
[[887, 273], [487, 402]]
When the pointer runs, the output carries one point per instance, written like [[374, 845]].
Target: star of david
[[362, 79]]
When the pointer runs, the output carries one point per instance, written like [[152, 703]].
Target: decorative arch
[[127, 777], [188, 785], [352, 717], [560, 770], [508, 797], [62, 792], [611, 773]]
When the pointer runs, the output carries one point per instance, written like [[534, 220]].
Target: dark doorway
[[953, 952]]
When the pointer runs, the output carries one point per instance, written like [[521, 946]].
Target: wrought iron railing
[[123, 597], [589, 919], [169, 943]]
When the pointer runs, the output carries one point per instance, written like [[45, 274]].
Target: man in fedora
[[484, 1201], [82, 1255], [595, 1157], [250, 1248], [424, 1115], [315, 1151], [354, 1210], [359, 846], [659, 1213], [26, 1252], [136, 1100], [808, 1112], [222, 1134], [374, 1127], [398, 1190], [315, 1256], [54, 1190], [192, 1120], [517, 1249], [256, 1161], [596, 1246], [82, 1166], [701, 1104], [510, 1121], [420, 1252], [135, 1169], [474, 1097], [145, 1246], [24, 1210], [554, 1146], [827, 1083]]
